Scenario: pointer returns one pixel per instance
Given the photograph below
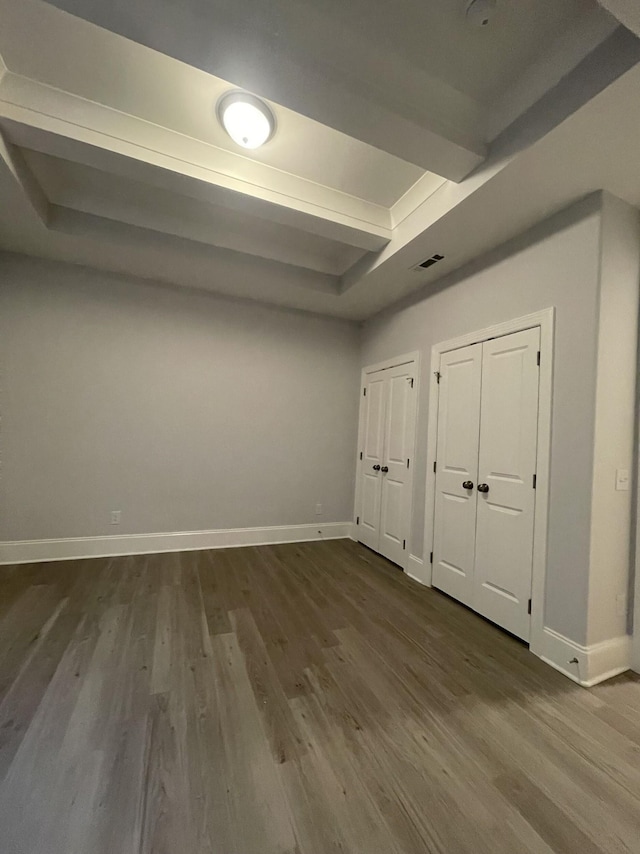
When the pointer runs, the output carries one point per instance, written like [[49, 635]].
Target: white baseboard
[[34, 551], [415, 570], [594, 663]]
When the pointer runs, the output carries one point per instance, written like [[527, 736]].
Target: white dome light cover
[[247, 119]]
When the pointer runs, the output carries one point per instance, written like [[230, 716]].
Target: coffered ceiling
[[389, 117]]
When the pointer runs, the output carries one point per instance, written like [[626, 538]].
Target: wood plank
[[23, 698], [260, 818], [278, 721]]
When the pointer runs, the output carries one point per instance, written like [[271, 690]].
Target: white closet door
[[399, 439], [372, 460], [507, 464], [457, 456]]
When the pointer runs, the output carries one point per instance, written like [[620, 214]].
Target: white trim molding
[[586, 665], [635, 605], [405, 359], [544, 319], [415, 568], [72, 548]]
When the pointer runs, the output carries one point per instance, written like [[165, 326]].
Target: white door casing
[[507, 466], [457, 464]]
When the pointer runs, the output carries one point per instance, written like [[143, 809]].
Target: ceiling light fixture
[[247, 119]]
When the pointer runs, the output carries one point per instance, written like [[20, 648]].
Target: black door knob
[[376, 468], [467, 484], [483, 487], [385, 468]]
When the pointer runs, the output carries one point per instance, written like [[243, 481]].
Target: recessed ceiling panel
[[431, 36], [91, 191]]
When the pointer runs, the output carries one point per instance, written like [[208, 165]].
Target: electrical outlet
[[318, 509], [621, 605], [115, 517]]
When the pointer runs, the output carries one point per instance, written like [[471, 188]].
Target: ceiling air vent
[[428, 263]]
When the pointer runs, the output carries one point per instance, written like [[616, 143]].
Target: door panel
[[457, 456], [507, 464], [392, 529], [372, 455], [399, 443], [370, 513]]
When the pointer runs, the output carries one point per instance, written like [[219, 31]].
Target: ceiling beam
[[91, 191], [626, 11], [132, 148], [231, 267], [560, 57], [14, 164]]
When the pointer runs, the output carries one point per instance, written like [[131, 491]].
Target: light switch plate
[[622, 480]]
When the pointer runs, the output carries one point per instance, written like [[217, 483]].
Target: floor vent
[[428, 263]]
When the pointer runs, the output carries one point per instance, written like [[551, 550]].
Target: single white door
[[399, 440], [506, 484], [456, 472], [373, 415]]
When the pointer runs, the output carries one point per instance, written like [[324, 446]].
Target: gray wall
[[556, 264], [611, 509], [182, 410]]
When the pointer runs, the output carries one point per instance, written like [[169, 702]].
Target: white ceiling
[[429, 36], [112, 156]]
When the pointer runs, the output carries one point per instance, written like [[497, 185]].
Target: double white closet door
[[485, 477], [387, 441]]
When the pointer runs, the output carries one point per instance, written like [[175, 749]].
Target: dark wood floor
[[301, 698]]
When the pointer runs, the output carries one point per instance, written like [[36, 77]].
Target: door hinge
[[404, 544], [435, 465], [360, 454], [357, 520], [431, 558], [535, 480], [538, 358], [407, 463], [437, 375], [529, 607], [364, 392]]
